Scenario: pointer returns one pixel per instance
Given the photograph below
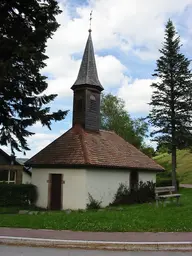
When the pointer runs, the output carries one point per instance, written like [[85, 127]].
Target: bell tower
[[87, 91]]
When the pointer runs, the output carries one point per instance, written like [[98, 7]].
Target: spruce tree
[[25, 27], [171, 102]]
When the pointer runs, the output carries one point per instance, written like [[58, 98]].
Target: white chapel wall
[[74, 188], [147, 176], [102, 184]]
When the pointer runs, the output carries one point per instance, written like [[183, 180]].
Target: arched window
[[93, 103]]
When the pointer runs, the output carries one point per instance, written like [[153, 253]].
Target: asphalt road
[[32, 251]]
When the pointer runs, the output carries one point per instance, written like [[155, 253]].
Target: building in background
[[13, 171]]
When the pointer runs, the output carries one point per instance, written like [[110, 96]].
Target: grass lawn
[[184, 164], [146, 217]]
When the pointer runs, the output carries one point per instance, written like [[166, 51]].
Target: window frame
[[9, 181], [93, 104]]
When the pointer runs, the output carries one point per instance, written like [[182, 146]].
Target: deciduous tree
[[115, 117]]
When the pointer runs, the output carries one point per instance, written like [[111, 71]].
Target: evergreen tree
[[171, 113], [25, 27]]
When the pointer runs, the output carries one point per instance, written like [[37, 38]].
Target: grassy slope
[[146, 217], [184, 164]]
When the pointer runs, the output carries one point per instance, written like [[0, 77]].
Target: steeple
[[87, 89], [88, 70]]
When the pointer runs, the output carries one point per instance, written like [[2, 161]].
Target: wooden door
[[134, 179], [55, 195]]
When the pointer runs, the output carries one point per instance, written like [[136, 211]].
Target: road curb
[[96, 245]]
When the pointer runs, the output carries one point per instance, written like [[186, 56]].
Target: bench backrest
[[159, 190]]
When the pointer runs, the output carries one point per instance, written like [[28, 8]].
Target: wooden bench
[[164, 193]]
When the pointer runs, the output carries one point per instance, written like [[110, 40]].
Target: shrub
[[164, 175], [17, 195], [164, 179], [9, 210], [121, 195], [165, 182], [93, 203], [145, 192]]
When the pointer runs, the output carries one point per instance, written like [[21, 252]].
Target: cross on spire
[[90, 19]]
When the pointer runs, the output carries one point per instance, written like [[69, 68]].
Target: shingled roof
[[88, 69], [78, 147]]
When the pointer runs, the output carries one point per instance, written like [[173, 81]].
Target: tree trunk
[[174, 165], [174, 152]]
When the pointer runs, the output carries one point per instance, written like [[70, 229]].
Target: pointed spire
[[88, 70]]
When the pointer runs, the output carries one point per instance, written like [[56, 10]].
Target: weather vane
[[90, 19]]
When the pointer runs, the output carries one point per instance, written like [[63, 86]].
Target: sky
[[126, 36]]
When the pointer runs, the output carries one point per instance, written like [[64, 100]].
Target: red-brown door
[[55, 195]]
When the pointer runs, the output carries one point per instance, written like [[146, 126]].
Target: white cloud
[[137, 95], [151, 143], [60, 86], [109, 68], [38, 141], [136, 26], [126, 23], [37, 125], [110, 71]]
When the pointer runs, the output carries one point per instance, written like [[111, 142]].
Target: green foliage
[[147, 150], [121, 195], [165, 182], [164, 179], [163, 148], [144, 193], [184, 165], [17, 195], [9, 210], [93, 203], [25, 27], [171, 101], [164, 175], [171, 113], [114, 117]]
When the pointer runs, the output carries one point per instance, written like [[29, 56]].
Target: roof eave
[[82, 85], [94, 166]]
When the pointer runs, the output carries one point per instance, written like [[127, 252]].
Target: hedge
[[17, 195], [165, 179], [164, 182]]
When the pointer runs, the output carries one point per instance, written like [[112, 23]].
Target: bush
[[164, 179], [121, 195], [165, 182], [17, 195], [9, 210], [164, 175], [145, 192], [93, 203]]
